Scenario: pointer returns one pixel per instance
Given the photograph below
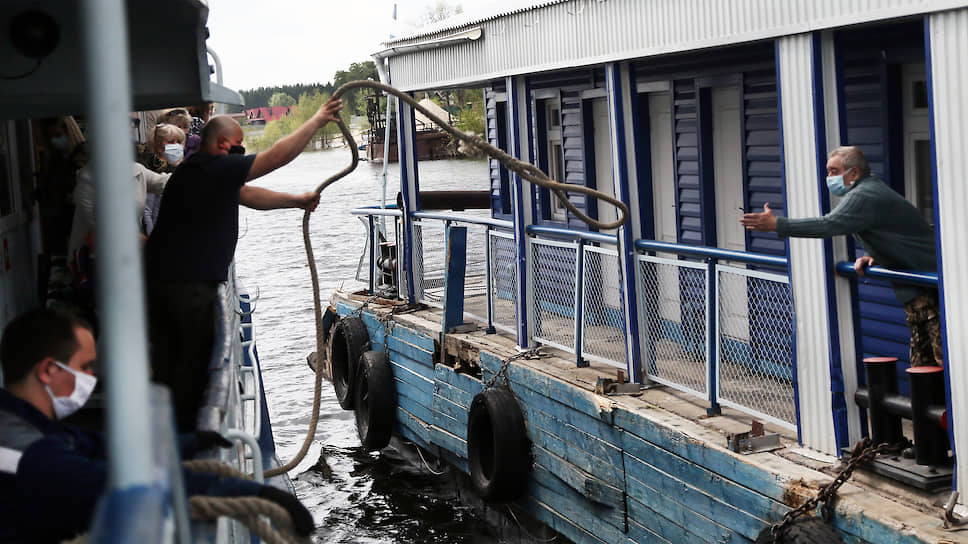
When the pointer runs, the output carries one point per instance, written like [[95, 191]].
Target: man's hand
[[329, 111], [860, 265], [307, 201], [764, 221]]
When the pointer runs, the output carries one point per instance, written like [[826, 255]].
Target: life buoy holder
[[375, 400], [348, 342], [498, 449]]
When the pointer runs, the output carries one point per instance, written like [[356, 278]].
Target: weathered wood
[[586, 402], [415, 338], [449, 442], [458, 380], [639, 534], [858, 526], [553, 519], [413, 381], [641, 485], [553, 443], [455, 461], [716, 487], [416, 409], [419, 431], [600, 521], [591, 487], [592, 435], [677, 485], [452, 411], [396, 345], [722, 462], [645, 516], [454, 395], [410, 366]]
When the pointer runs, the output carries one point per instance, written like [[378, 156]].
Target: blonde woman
[[166, 145], [183, 120]]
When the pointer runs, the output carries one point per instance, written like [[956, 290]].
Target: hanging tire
[[350, 339], [804, 531], [375, 398], [498, 449]]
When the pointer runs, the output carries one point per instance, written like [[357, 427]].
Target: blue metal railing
[[914, 277], [541, 303], [780, 339]]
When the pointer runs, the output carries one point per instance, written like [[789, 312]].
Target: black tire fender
[[375, 398], [498, 449], [805, 530], [348, 342]]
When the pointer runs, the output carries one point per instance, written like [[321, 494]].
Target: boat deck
[[648, 468]]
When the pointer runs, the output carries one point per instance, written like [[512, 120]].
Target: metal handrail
[[390, 211], [712, 253], [248, 440], [913, 277], [256, 394], [559, 232], [487, 221]]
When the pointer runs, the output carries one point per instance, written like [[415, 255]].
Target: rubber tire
[[805, 530], [350, 339], [375, 397], [498, 449]]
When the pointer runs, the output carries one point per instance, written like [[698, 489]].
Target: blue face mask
[[836, 185]]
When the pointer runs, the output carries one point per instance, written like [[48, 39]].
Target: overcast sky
[[278, 42]]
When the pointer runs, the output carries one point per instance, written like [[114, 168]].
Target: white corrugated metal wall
[[949, 41], [806, 255], [584, 33]]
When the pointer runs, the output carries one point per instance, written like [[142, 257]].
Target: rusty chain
[[862, 453], [533, 353]]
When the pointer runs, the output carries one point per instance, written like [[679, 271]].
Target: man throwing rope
[[189, 252]]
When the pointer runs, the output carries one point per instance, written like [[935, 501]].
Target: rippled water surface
[[355, 496]]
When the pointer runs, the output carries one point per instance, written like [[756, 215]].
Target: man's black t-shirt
[[198, 224]]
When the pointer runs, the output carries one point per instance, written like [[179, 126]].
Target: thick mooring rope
[[527, 171]]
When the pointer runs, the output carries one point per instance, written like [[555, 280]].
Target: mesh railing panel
[[553, 292], [755, 343], [475, 273], [603, 315], [672, 299], [428, 270], [504, 285]]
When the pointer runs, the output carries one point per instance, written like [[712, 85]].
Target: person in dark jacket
[[888, 227], [51, 474]]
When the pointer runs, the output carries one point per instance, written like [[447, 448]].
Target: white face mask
[[174, 153], [83, 386]]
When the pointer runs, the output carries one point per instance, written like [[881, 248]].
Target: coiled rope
[[247, 510], [527, 171]]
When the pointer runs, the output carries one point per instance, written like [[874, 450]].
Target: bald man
[[193, 243]]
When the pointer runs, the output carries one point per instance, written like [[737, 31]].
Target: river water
[[354, 496]]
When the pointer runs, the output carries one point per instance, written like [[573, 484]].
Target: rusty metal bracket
[[610, 387], [754, 440], [952, 522]]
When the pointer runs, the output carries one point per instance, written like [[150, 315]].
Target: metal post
[[409, 187], [712, 338], [488, 279], [519, 135], [930, 439], [454, 268], [579, 301], [882, 382], [373, 255], [218, 76], [123, 342]]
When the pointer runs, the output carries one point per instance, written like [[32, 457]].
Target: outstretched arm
[[260, 198], [291, 146]]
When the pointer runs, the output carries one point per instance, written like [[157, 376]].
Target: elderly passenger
[[889, 228]]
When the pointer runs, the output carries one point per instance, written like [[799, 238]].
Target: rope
[[247, 510], [217, 468], [527, 171]]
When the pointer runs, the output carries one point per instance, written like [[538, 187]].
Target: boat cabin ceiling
[[43, 57]]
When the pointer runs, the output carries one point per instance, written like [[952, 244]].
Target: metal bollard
[[930, 439], [882, 382]]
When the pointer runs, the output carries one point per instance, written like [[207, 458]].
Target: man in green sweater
[[889, 228]]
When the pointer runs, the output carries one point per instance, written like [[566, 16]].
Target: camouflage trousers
[[924, 320]]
